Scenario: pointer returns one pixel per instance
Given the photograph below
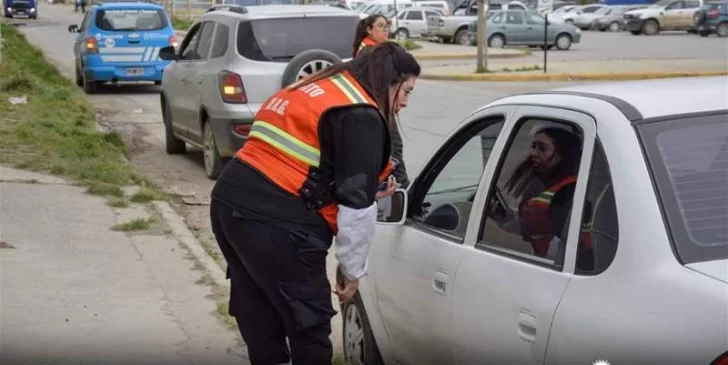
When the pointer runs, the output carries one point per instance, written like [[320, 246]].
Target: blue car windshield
[[130, 19]]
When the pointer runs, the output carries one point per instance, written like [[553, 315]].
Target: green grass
[[117, 202], [55, 131], [138, 224], [409, 44], [180, 23], [146, 195]]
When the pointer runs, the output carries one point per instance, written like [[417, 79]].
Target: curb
[[185, 236], [585, 76]]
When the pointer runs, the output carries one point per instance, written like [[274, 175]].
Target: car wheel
[[89, 87], [158, 82], [563, 42], [79, 79], [705, 33], [635, 32], [651, 27], [569, 21], [359, 345], [496, 41], [213, 161], [461, 37], [308, 63], [614, 27], [401, 34], [173, 145], [722, 30]]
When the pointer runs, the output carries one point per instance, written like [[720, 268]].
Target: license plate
[[134, 71], [20, 12]]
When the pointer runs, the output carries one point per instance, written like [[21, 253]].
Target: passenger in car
[[545, 182]]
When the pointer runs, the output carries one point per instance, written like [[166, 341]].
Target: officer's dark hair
[[566, 144], [361, 30], [377, 69]]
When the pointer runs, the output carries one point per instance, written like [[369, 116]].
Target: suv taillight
[[231, 88], [91, 45], [242, 129], [173, 41], [713, 14]]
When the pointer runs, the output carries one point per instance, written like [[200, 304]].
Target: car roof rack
[[229, 7]]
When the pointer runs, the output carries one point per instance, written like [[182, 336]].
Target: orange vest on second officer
[[366, 42], [284, 145], [537, 225]]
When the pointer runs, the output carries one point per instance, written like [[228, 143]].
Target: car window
[[445, 194], [529, 205], [497, 19], [222, 37], [279, 40], [402, 15], [691, 4], [514, 17], [203, 49], [432, 14], [188, 50], [600, 226], [414, 15], [534, 18], [591, 9], [86, 22], [130, 19], [688, 157], [675, 6]]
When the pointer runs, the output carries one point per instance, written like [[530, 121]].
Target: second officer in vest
[[311, 168]]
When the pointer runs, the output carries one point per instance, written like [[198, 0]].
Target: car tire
[[173, 145], [307, 63], [651, 27], [704, 33], [158, 82], [79, 79], [359, 344], [722, 30], [563, 42], [496, 41], [635, 32], [461, 37], [614, 27], [89, 87], [401, 33], [212, 160]]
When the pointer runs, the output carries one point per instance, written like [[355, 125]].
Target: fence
[[193, 8]]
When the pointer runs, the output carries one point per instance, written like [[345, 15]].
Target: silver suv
[[232, 59]]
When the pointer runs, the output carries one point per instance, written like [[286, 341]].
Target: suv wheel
[[614, 27], [174, 146], [563, 42], [79, 79], [359, 345], [651, 27], [496, 41], [308, 63], [401, 34], [212, 159], [89, 87], [722, 30]]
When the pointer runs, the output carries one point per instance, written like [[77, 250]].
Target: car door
[[193, 81], [413, 264], [691, 6], [183, 112], [672, 15], [516, 32], [414, 22], [505, 291], [535, 29], [79, 45]]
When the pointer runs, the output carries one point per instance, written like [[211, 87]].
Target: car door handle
[[439, 282], [527, 326]]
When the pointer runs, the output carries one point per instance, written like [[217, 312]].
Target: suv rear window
[[130, 19], [689, 161], [279, 40]]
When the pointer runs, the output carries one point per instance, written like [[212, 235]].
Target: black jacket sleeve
[[400, 172], [356, 137]]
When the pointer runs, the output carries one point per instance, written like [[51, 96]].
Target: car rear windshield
[[279, 40], [130, 19], [689, 161]]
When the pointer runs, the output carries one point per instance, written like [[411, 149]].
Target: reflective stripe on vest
[[366, 42], [285, 142]]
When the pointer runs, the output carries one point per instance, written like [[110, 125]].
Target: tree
[[482, 58]]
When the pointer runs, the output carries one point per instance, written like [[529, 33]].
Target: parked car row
[[524, 28]]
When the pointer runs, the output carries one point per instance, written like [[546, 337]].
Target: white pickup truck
[[454, 28]]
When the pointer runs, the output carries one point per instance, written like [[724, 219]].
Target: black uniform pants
[[279, 288]]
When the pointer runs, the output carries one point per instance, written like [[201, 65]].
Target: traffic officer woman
[[546, 180], [370, 31], [310, 169]]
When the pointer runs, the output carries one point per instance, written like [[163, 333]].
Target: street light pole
[[482, 55]]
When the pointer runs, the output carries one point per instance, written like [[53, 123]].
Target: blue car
[[120, 41], [23, 8]]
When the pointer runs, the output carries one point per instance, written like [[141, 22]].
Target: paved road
[[604, 46]]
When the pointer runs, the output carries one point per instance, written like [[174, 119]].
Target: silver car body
[[191, 88], [444, 297], [613, 20], [585, 20], [526, 28], [412, 22]]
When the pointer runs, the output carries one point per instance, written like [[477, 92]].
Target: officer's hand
[[347, 290], [392, 186]]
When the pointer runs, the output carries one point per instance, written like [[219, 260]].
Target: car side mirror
[[392, 209], [73, 28], [168, 53]]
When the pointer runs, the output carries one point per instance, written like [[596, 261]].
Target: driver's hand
[[346, 290], [392, 186]]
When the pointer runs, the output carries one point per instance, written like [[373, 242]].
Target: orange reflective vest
[[536, 224], [283, 143], [366, 42]]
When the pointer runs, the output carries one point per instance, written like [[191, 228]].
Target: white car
[[637, 274]]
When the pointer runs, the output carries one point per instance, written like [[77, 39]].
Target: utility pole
[[482, 58]]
